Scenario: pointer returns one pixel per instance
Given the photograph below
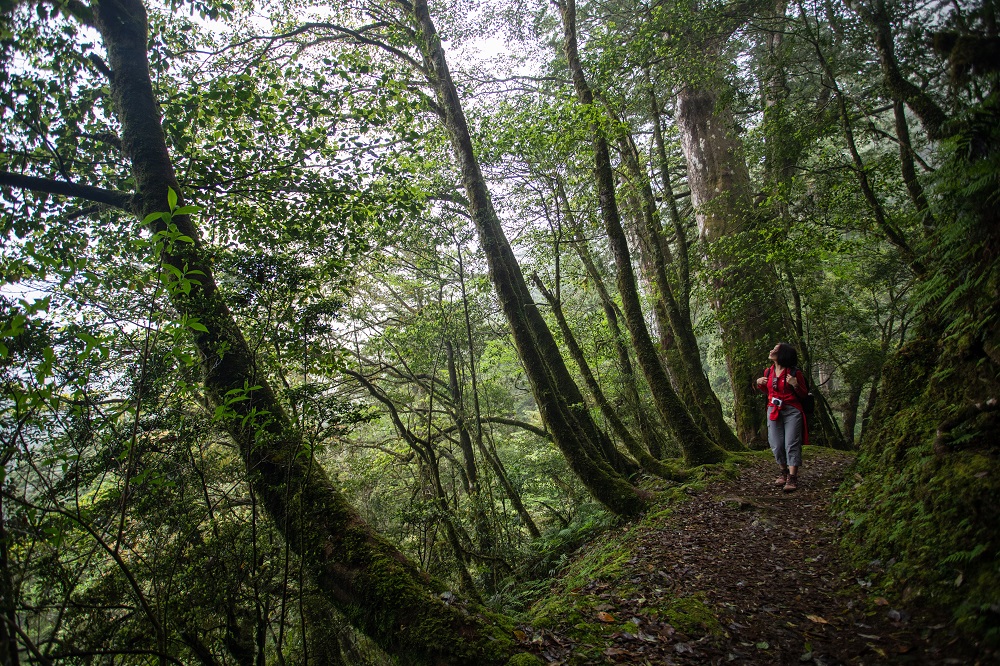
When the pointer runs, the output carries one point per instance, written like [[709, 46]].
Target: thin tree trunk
[[558, 397], [909, 170], [850, 412], [933, 118], [697, 447], [648, 429], [493, 461], [641, 454], [823, 428], [464, 438], [893, 234], [651, 232], [8, 637]]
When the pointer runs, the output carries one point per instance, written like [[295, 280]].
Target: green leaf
[[171, 199]]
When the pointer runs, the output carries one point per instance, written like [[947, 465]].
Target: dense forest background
[[328, 330]]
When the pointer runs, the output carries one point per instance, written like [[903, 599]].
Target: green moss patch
[[921, 512], [689, 615]]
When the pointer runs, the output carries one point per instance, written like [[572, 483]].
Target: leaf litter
[[765, 564]]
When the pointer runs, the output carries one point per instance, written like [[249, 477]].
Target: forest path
[[759, 581]]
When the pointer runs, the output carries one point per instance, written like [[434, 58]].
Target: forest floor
[[738, 573]]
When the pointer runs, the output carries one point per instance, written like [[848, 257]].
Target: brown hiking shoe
[[792, 484], [782, 480]]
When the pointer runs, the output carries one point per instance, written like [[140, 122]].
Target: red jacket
[[788, 395], [784, 391]]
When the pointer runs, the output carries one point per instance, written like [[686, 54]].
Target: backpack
[[808, 400]]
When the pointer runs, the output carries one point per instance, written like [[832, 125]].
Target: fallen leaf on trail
[[881, 601], [614, 652], [763, 645], [903, 649], [605, 617], [817, 619], [666, 630], [879, 651], [520, 635]]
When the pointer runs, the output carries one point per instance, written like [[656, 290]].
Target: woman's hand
[[792, 381], [761, 381]]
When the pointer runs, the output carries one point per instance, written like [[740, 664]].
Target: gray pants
[[785, 437]]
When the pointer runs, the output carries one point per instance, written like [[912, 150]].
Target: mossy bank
[[920, 508]]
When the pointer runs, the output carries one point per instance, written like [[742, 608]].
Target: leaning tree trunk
[[639, 452], [651, 232], [698, 449], [357, 571], [648, 427], [559, 399], [746, 292]]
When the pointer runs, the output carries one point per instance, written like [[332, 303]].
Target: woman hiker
[[785, 386]]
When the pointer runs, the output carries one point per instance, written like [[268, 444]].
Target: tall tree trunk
[[697, 447], [641, 454], [875, 13], [366, 578], [648, 428], [705, 402], [850, 411], [558, 397], [746, 294], [908, 168]]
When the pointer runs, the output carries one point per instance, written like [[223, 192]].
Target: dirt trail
[[764, 564]]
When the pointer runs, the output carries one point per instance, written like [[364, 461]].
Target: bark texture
[[747, 300], [703, 402]]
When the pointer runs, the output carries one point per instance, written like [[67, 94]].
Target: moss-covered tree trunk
[[746, 294], [703, 398], [697, 447], [559, 399], [367, 579]]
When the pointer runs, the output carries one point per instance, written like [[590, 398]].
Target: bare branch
[[113, 198]]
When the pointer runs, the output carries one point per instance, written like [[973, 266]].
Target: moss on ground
[[574, 603], [689, 615]]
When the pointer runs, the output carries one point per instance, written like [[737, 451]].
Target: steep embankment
[[732, 570]]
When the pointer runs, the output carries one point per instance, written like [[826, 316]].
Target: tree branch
[[113, 198]]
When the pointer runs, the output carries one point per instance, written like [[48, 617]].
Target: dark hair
[[787, 357]]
